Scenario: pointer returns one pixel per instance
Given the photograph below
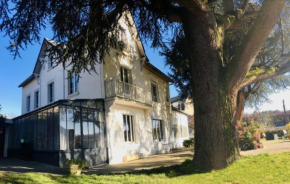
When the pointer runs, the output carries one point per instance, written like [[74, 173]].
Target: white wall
[[144, 145], [29, 90], [180, 128], [90, 85], [141, 77]]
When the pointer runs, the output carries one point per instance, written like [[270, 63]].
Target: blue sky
[[14, 71]]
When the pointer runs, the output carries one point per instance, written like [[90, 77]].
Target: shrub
[[81, 163], [280, 133], [188, 143], [288, 128], [249, 135]]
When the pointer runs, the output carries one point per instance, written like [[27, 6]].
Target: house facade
[[182, 120], [119, 113]]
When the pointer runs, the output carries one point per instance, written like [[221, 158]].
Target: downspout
[[63, 75], [39, 91]]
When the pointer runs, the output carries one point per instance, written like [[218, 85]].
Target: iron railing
[[117, 88]]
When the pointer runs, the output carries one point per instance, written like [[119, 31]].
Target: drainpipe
[[105, 132], [63, 75], [39, 91]]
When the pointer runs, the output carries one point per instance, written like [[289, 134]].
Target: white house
[[182, 120], [120, 113]]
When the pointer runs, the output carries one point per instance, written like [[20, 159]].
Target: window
[[154, 92], [128, 128], [124, 38], [157, 129], [125, 78], [50, 92], [28, 103], [125, 75], [72, 83], [36, 99]]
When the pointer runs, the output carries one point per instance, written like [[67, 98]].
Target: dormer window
[[123, 38]]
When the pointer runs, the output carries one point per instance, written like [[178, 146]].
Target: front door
[[2, 141]]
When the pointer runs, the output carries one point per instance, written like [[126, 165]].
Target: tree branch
[[245, 5], [282, 35], [163, 8], [265, 74], [228, 6], [246, 53]]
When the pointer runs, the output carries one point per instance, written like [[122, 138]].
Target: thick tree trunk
[[240, 106], [215, 135]]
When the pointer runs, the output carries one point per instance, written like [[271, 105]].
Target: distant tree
[[2, 117], [84, 28]]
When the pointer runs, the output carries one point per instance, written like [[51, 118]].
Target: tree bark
[[240, 106], [216, 143]]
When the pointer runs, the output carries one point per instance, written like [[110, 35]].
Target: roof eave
[[27, 81]]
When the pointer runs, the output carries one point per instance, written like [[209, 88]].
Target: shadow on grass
[[185, 168]]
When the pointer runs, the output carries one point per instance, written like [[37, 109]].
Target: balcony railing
[[116, 88]]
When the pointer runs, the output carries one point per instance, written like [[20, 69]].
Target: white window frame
[[131, 125], [48, 92], [75, 87], [160, 133], [36, 103], [28, 103], [122, 75]]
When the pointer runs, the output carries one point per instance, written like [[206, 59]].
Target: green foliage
[[249, 135], [2, 117], [288, 127], [81, 163], [188, 143], [280, 133]]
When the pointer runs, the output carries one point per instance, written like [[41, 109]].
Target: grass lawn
[[251, 169], [274, 141]]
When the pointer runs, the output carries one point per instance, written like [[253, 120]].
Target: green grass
[[251, 169], [274, 141]]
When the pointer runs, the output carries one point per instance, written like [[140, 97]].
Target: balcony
[[117, 88]]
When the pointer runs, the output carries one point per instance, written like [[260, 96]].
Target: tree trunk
[[216, 143], [240, 106]]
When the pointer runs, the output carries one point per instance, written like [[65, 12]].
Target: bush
[[81, 163], [280, 133], [188, 143], [249, 135], [288, 127]]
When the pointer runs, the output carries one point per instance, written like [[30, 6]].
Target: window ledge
[[130, 145], [73, 94]]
